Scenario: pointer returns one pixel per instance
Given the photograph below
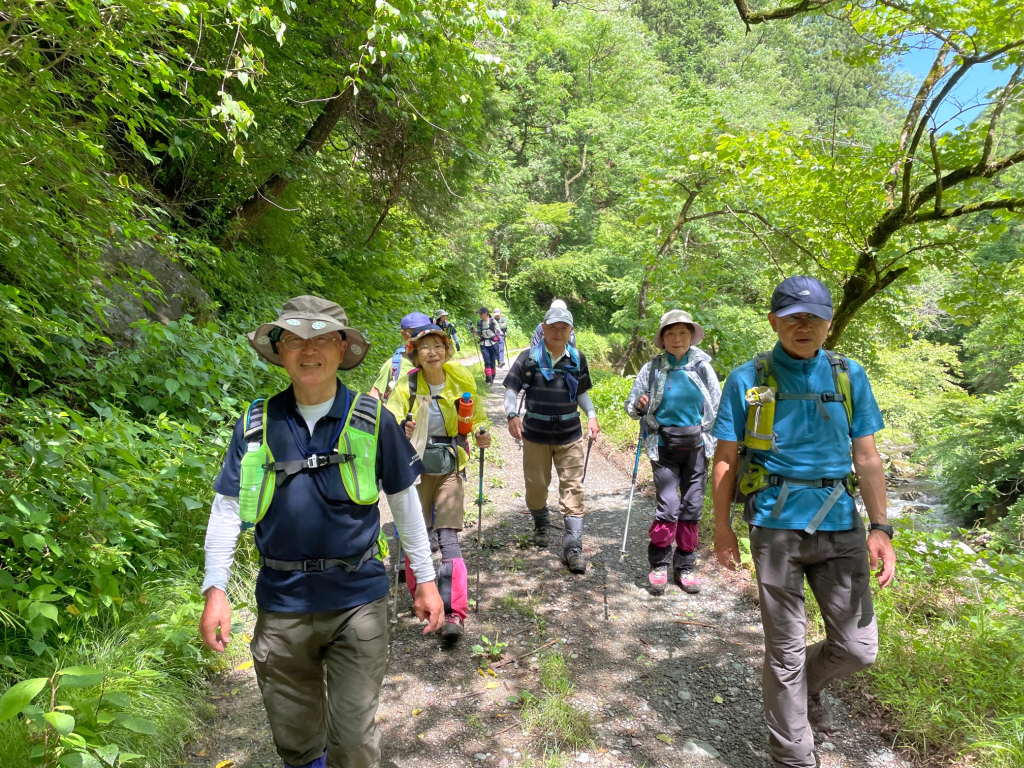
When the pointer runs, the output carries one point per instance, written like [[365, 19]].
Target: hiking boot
[[541, 526], [658, 578], [688, 581], [574, 560], [819, 711], [453, 628]]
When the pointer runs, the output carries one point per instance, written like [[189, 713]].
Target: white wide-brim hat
[[672, 317]]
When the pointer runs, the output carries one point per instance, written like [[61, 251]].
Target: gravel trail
[[667, 681]]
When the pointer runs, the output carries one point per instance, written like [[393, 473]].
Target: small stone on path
[[698, 747]]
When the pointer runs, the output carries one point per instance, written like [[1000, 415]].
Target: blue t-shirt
[[810, 448], [682, 404], [311, 516]]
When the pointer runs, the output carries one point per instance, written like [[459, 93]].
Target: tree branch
[[583, 168], [938, 170], [939, 214], [936, 73], [1004, 98], [259, 202], [774, 14]]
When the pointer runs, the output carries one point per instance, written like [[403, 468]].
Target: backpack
[[759, 434]]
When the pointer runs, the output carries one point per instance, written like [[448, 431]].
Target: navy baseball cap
[[802, 294], [415, 320]]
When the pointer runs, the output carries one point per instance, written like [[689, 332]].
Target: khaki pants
[[568, 461], [835, 564], [446, 493], [309, 712]]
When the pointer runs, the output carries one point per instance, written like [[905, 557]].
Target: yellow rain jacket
[[457, 380]]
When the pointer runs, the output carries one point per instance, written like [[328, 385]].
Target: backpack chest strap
[[316, 461], [819, 399]]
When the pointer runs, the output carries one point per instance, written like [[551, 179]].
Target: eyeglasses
[[439, 348], [296, 343], [803, 317]]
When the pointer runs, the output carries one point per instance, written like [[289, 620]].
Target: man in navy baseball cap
[[794, 473], [399, 364], [802, 294]]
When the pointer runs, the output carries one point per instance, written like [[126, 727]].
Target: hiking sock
[[320, 762]]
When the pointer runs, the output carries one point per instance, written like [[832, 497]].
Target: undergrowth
[[551, 717]]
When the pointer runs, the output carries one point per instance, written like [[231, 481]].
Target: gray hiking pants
[[310, 711], [835, 564]]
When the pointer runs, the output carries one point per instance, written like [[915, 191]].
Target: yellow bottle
[[760, 435]]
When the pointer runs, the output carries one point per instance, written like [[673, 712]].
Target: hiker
[[676, 394], [442, 321], [538, 333], [320, 644], [556, 379], [430, 394], [503, 328], [399, 364], [488, 333], [798, 438]]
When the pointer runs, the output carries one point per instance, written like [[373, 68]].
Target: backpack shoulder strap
[[841, 380], [254, 422], [764, 368], [413, 379]]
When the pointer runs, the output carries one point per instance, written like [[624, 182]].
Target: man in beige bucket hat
[[304, 467]]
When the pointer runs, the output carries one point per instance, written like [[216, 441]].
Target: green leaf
[[80, 671], [34, 541], [172, 385], [80, 760], [136, 724], [62, 723], [108, 753], [19, 696]]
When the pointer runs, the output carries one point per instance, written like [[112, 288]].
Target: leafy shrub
[[951, 658], [609, 396], [910, 384], [980, 450]]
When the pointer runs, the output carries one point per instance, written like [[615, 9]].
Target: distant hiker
[[556, 379], [809, 410], [503, 327], [432, 392], [399, 364], [442, 321], [303, 466], [676, 394], [538, 334], [488, 333]]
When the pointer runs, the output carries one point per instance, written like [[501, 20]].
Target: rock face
[[181, 293]]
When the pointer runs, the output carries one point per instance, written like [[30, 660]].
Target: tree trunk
[[636, 343], [858, 290], [257, 204]]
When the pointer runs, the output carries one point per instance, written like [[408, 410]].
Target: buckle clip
[[312, 565], [317, 460], [832, 397]]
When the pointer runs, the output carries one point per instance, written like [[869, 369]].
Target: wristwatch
[[888, 530], [510, 416]]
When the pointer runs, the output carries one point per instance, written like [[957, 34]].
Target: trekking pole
[[586, 461], [480, 527], [632, 490]]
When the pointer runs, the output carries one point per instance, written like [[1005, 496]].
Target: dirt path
[[666, 681]]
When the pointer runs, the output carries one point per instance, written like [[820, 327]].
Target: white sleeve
[[510, 401], [587, 405], [221, 537], [408, 514]]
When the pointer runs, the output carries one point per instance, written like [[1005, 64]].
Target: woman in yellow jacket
[[426, 402]]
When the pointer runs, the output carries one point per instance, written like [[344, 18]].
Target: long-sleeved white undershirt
[[225, 524]]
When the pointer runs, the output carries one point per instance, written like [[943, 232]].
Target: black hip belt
[[545, 417], [350, 564]]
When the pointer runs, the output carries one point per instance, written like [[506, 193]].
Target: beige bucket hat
[[672, 317], [306, 317]]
